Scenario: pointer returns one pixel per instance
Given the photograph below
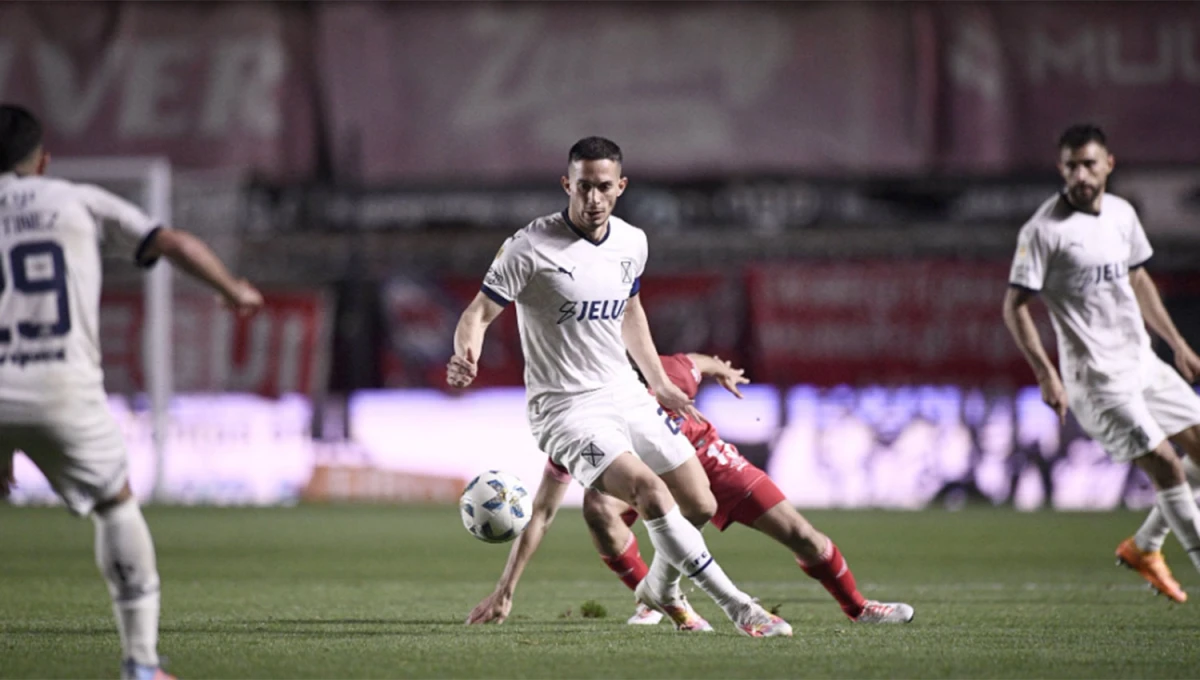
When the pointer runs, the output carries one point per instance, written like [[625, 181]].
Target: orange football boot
[[1152, 567]]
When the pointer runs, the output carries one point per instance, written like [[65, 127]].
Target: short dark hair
[[594, 149], [20, 135], [1082, 134]]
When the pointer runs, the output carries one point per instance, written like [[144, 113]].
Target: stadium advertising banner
[[495, 91], [1014, 74], [499, 91], [880, 322], [224, 85], [432, 92], [284, 349]]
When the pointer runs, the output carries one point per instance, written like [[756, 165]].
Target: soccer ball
[[495, 507]]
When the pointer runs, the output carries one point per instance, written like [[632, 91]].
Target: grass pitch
[[381, 592]]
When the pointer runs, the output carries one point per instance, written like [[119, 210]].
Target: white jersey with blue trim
[[571, 295], [52, 235], [1079, 263]]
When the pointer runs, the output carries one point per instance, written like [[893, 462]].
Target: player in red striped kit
[[744, 493]]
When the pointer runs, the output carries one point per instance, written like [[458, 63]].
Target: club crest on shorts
[[592, 454], [626, 271]]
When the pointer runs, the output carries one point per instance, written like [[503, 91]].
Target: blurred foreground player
[[576, 277], [744, 493], [52, 401], [1084, 252]]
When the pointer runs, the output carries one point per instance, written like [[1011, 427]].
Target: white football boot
[[754, 621], [644, 616], [885, 612]]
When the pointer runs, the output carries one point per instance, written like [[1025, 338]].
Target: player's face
[[1085, 170], [594, 187]]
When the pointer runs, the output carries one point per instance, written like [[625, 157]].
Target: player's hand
[[244, 300], [494, 608], [729, 377], [672, 398], [1188, 363], [461, 370], [1055, 396]]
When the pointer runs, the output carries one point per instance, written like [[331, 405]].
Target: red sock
[[629, 565], [833, 573]]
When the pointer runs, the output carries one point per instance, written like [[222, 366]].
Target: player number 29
[[53, 280]]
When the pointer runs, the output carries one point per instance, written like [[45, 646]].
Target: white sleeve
[[511, 270], [1029, 264], [1139, 246], [124, 230]]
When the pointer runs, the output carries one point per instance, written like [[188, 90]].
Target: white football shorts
[[1166, 406], [75, 443], [586, 432]]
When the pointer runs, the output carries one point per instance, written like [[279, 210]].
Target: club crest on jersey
[[626, 271], [592, 454], [591, 310]]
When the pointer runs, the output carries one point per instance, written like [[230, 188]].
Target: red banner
[[883, 322], [466, 92], [207, 84], [1016, 74], [283, 349]]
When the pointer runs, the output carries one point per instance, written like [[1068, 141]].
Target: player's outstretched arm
[[194, 257], [635, 331], [495, 607], [468, 340], [1024, 332], [1159, 320], [722, 371]]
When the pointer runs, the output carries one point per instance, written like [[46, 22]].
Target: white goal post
[[146, 181]]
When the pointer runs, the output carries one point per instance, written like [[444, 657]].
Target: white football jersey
[[51, 236], [571, 295], [1080, 264]]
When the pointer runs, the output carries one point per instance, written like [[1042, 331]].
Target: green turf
[[321, 592]]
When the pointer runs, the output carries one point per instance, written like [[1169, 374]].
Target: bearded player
[[1084, 253]]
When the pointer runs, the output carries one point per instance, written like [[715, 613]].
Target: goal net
[[146, 181]]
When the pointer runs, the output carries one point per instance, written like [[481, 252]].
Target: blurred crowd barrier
[[839, 447]]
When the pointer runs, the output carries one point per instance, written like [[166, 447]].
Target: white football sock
[[1153, 532], [664, 577], [1179, 508], [125, 555], [681, 544]]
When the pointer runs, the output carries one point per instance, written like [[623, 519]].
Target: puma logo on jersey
[[591, 310], [568, 273]]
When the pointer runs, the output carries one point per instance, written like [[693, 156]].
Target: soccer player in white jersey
[[52, 402], [575, 277], [1084, 253]]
